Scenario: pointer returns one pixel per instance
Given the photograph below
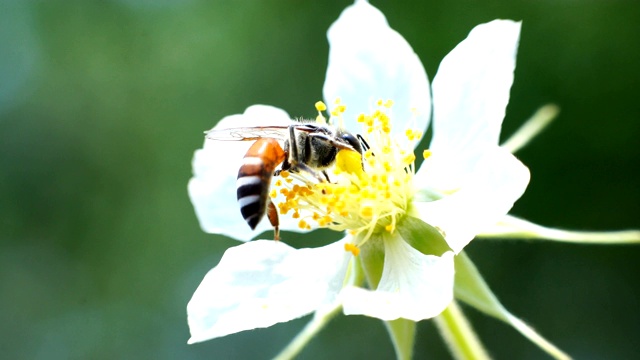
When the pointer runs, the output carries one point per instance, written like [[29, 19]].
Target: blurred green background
[[102, 104]]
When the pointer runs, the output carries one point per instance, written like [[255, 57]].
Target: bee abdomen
[[252, 187], [254, 179]]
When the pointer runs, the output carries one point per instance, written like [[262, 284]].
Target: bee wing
[[280, 132]]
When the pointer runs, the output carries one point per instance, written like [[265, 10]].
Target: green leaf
[[422, 236], [471, 288], [372, 260]]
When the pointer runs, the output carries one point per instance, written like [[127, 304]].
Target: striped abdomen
[[254, 178]]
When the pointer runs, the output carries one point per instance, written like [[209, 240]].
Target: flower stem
[[402, 332], [512, 227], [532, 127], [322, 316], [319, 321], [459, 335]]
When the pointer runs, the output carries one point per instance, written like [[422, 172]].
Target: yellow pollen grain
[[409, 159], [361, 118], [426, 153], [366, 211], [278, 182], [352, 249], [296, 215], [303, 224], [389, 227], [379, 102], [320, 106], [284, 173], [409, 134], [273, 193], [388, 104]]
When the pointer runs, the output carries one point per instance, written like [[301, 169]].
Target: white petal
[[261, 283], [212, 189], [413, 286], [471, 91], [497, 181], [369, 61]]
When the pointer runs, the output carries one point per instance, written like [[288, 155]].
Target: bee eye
[[353, 142]]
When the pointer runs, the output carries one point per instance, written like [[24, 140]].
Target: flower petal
[[471, 91], [498, 180], [369, 61], [261, 283], [212, 189], [413, 286]]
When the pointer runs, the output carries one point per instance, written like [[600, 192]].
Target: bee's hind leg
[[272, 214]]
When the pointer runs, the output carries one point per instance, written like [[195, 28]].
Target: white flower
[[466, 183]]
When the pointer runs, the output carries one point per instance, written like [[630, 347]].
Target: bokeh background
[[102, 104]]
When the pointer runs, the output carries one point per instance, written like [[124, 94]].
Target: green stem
[[354, 276], [531, 127], [513, 227], [402, 332], [319, 321], [459, 335]]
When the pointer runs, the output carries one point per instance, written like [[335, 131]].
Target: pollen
[[366, 212], [426, 154], [352, 249], [320, 106]]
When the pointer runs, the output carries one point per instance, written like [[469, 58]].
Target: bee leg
[[297, 167], [286, 165], [326, 176], [272, 214]]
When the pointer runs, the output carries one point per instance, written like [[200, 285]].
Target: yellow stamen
[[366, 212], [426, 153], [352, 249], [320, 106]]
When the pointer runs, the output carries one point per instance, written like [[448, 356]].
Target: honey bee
[[307, 147]]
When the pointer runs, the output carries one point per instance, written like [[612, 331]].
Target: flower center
[[366, 194]]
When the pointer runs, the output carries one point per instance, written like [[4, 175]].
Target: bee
[[307, 147]]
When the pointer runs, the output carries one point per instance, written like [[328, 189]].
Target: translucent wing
[[249, 133]]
